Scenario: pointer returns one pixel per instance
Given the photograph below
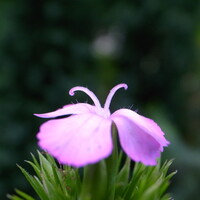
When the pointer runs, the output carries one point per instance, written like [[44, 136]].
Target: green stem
[[94, 182], [99, 180], [112, 168]]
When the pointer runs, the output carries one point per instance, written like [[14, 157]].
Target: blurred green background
[[49, 46]]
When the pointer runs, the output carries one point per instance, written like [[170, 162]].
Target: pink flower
[[85, 136]]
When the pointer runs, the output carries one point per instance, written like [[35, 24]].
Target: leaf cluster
[[54, 182], [149, 183], [50, 181]]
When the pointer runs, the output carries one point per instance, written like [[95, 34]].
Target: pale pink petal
[[68, 110], [140, 137], [77, 140]]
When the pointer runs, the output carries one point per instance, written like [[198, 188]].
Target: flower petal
[[77, 140], [140, 137], [68, 110]]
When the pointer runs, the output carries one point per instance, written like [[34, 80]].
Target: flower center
[[103, 111]]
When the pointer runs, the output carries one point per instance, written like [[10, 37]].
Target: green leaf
[[36, 168], [122, 178], [36, 184], [14, 197], [35, 161], [45, 166], [24, 195]]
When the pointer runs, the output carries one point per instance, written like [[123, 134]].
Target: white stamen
[[112, 92], [88, 92]]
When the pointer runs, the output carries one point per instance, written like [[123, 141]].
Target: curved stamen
[[112, 92], [88, 92]]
